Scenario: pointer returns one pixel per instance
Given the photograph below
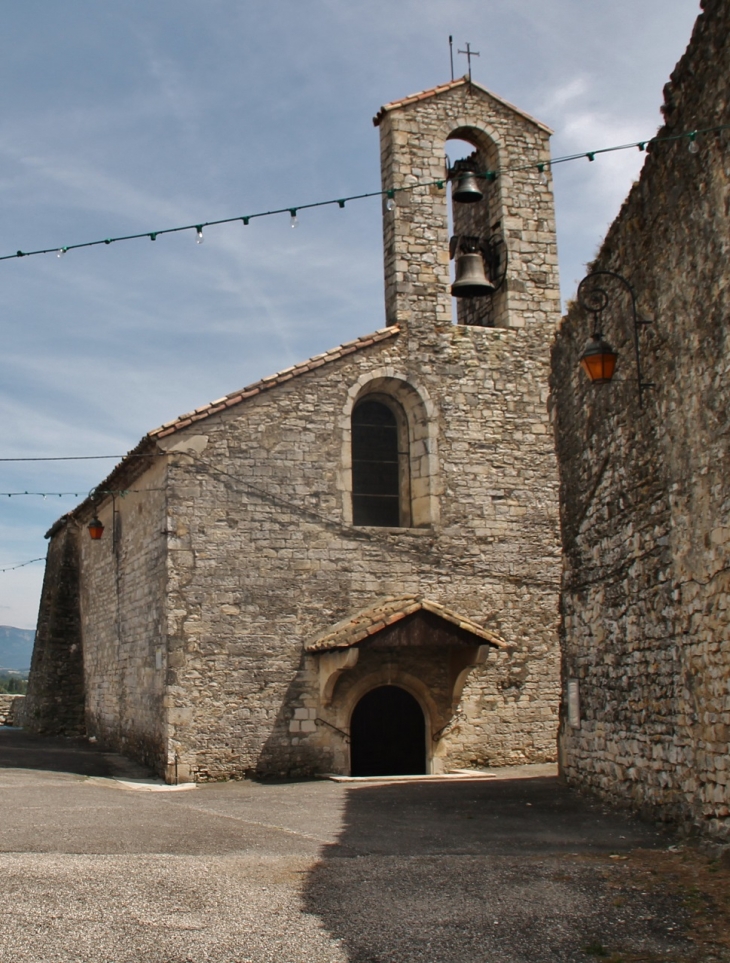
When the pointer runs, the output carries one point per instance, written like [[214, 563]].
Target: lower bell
[[471, 278]]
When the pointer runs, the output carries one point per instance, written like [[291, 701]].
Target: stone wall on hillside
[[645, 496], [11, 709]]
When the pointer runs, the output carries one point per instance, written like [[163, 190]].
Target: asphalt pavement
[[100, 863]]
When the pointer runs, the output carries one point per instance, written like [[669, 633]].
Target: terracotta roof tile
[[270, 381], [385, 612], [459, 82], [412, 98]]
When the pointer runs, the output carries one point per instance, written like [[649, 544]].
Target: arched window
[[380, 469]]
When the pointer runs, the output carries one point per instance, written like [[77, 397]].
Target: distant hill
[[16, 647]]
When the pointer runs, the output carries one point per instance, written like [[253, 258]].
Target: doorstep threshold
[[140, 785], [459, 774], [533, 770]]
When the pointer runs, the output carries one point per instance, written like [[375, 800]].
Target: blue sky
[[135, 116]]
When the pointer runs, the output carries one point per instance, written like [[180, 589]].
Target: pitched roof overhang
[[442, 88], [386, 612], [138, 459], [250, 391]]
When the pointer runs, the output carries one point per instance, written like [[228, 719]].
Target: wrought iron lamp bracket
[[594, 298]]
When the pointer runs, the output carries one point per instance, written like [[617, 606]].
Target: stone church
[[350, 566]]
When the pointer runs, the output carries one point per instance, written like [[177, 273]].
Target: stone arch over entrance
[[419, 434], [388, 734], [390, 674]]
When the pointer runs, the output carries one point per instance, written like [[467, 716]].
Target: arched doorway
[[387, 734]]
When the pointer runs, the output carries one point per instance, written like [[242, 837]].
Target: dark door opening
[[387, 734]]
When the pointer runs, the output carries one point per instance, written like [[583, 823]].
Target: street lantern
[[598, 359], [96, 529]]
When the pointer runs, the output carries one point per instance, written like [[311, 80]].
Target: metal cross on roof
[[469, 53]]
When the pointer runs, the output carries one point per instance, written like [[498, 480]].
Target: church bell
[[471, 278], [466, 188]]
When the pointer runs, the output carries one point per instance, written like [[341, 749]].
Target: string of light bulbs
[[11, 568], [42, 494], [153, 454], [389, 194], [121, 492]]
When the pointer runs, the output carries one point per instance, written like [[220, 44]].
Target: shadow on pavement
[[511, 870], [23, 750]]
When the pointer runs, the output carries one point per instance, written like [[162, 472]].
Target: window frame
[[403, 453]]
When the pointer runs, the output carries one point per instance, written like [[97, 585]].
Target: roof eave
[[443, 88], [346, 635]]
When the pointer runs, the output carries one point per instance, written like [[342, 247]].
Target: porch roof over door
[[386, 612]]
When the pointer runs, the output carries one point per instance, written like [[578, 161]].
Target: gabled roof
[[385, 612], [271, 381], [442, 88], [135, 461]]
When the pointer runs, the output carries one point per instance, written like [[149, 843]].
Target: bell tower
[[498, 201]]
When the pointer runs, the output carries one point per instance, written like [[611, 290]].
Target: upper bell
[[466, 188], [471, 278]]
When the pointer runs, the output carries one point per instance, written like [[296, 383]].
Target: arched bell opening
[[388, 734], [478, 256]]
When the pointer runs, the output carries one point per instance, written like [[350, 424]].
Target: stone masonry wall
[[123, 618], [645, 498], [55, 700], [262, 560]]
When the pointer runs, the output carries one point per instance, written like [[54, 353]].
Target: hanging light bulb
[[693, 147], [543, 178], [61, 251], [293, 215], [199, 232], [390, 201]]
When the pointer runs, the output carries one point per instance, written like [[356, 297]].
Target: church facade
[[351, 566]]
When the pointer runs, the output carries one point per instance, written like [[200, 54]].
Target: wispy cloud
[[134, 117]]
